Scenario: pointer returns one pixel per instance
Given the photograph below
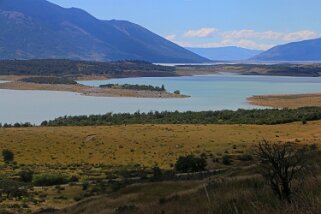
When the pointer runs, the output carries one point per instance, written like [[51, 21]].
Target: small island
[[70, 85]]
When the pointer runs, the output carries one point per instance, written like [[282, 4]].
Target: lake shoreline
[[89, 91], [286, 100]]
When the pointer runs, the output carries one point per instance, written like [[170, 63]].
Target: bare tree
[[281, 165]]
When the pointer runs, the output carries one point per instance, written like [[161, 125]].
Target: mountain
[[308, 50], [226, 53], [39, 29]]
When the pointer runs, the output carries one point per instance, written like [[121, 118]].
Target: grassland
[[146, 145], [286, 101], [96, 154]]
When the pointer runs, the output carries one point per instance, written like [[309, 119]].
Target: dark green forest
[[134, 87], [62, 67], [49, 80], [241, 116]]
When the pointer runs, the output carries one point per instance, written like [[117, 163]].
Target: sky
[[253, 24]]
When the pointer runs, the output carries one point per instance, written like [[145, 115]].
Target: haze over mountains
[[308, 50], [39, 29], [226, 53]]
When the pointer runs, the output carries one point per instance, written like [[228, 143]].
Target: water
[[214, 92]]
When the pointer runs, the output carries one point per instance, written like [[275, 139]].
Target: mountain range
[[39, 29], [308, 50], [226, 53]]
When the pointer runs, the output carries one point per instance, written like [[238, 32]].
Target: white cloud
[[171, 37], [200, 33], [300, 35], [245, 38], [269, 35], [239, 43]]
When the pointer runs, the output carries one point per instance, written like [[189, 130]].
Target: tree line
[[134, 87], [241, 116], [64, 67]]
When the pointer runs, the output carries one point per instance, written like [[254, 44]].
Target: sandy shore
[[88, 91], [286, 101]]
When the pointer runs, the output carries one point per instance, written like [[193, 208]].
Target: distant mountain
[[39, 29], [226, 53], [308, 50]]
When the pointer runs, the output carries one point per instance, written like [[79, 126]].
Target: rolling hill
[[37, 29], [226, 53], [308, 50]]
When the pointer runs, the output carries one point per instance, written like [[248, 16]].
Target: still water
[[214, 92]]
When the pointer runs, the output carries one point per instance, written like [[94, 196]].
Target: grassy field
[[104, 157], [146, 145]]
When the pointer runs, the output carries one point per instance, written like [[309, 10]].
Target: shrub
[[190, 163], [50, 179], [8, 155], [74, 179], [245, 157], [26, 176], [126, 209], [177, 92], [157, 173], [226, 160]]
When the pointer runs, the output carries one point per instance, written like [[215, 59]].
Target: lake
[[212, 92]]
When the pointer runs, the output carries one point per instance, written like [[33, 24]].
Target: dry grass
[[286, 101], [147, 145]]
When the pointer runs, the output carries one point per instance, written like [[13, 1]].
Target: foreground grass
[[222, 195], [108, 159], [147, 145]]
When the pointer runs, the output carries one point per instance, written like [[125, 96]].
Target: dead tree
[[281, 165]]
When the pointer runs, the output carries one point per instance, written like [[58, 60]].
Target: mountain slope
[[39, 29], [308, 50], [226, 53]]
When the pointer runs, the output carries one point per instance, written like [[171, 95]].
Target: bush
[[157, 174], [8, 155], [245, 157], [190, 163], [50, 179], [226, 160], [26, 176], [126, 209]]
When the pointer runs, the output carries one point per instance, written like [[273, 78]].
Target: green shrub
[[126, 209], [190, 163], [245, 157], [226, 160], [7, 155], [50, 179], [26, 176]]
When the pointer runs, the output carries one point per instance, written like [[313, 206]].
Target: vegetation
[[190, 163], [7, 155], [49, 179], [62, 67], [281, 164], [134, 87], [75, 163], [49, 80], [256, 116], [309, 70]]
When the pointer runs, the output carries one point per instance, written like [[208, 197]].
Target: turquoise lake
[[213, 92]]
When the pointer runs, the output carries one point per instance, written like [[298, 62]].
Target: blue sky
[[255, 24]]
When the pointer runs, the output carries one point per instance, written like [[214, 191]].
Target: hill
[[74, 69], [50, 31], [308, 50], [226, 53]]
